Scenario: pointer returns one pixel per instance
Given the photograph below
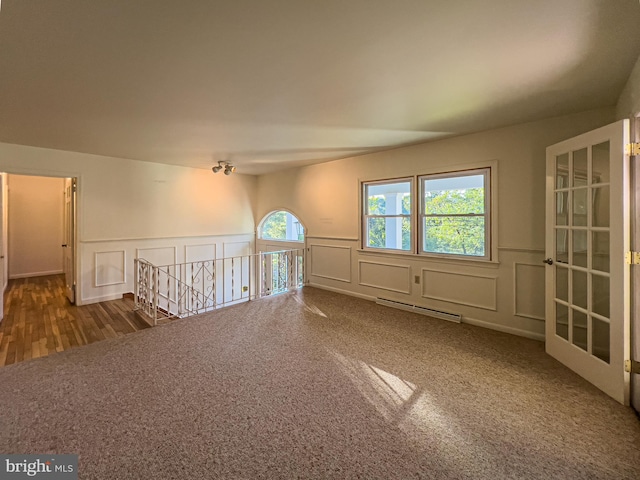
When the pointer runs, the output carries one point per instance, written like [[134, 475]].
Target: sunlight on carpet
[[309, 308], [413, 411]]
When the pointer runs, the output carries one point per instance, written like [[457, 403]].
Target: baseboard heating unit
[[452, 317]]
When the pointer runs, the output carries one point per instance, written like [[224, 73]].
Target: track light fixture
[[228, 168]]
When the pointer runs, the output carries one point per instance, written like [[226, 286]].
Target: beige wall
[[125, 199], [167, 213], [507, 294], [128, 208], [35, 229], [629, 101]]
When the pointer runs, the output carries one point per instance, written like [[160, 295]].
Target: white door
[[68, 246], [587, 279]]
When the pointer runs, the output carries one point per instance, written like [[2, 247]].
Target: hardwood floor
[[39, 320]]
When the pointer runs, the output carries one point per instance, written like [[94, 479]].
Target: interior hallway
[[39, 320]]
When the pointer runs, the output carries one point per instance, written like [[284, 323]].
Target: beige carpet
[[316, 385]]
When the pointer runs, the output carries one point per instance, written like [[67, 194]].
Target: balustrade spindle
[[194, 284]]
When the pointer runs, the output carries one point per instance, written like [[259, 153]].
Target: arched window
[[282, 225]]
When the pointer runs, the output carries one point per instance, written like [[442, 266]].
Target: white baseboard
[[343, 292], [471, 321], [104, 298], [35, 274], [503, 328]]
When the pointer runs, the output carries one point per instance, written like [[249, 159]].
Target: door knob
[[548, 261], [64, 244]]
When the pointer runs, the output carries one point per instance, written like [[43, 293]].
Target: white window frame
[[487, 174], [364, 188], [259, 230]]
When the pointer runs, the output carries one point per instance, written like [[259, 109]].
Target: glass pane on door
[[562, 321], [600, 163], [579, 329], [600, 251], [580, 168], [600, 207], [562, 171], [562, 245], [579, 288], [562, 208], [601, 340], [580, 207], [579, 248], [600, 295], [562, 283]]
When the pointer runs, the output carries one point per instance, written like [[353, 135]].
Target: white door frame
[[635, 271]]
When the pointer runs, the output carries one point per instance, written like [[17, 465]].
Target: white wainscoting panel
[[331, 261], [158, 255], [161, 256], [197, 253], [268, 245], [236, 249], [159, 251], [110, 268], [528, 286], [235, 272], [386, 276], [462, 288]]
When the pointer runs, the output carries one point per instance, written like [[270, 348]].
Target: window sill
[[280, 240], [476, 262]]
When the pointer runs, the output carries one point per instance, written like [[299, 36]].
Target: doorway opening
[[38, 229], [38, 273]]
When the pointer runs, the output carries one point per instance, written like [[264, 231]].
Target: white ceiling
[[270, 84]]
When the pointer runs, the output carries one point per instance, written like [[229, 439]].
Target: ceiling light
[[228, 168]]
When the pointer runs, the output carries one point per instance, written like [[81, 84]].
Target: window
[[282, 225], [453, 216], [454, 213], [388, 215]]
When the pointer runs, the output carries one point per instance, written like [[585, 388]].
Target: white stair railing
[[191, 288]]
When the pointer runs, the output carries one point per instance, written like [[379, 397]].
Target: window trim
[[365, 216], [486, 173], [283, 240], [491, 199]]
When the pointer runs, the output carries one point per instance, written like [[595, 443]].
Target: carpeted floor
[[316, 385]]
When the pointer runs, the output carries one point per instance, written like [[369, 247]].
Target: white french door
[[587, 278]]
